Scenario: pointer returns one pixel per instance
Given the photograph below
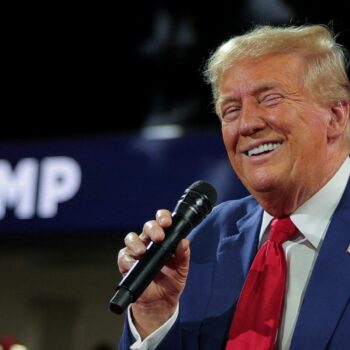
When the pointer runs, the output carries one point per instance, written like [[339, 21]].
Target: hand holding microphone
[[155, 275]]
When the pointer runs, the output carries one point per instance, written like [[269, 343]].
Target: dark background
[[95, 69]]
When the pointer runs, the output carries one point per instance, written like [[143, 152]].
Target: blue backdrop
[[123, 179]]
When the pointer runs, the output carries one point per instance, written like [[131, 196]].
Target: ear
[[339, 119]]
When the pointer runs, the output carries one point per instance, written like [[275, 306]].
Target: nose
[[251, 119]]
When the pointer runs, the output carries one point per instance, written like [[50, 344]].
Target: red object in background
[[6, 341]]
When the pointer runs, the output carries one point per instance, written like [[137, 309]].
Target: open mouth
[[263, 149]]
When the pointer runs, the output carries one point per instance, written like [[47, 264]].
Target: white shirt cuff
[[155, 338]]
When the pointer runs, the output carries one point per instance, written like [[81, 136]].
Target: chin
[[261, 185]]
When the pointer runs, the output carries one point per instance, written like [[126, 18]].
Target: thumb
[[181, 258]]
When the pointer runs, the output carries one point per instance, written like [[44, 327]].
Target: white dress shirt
[[312, 220]]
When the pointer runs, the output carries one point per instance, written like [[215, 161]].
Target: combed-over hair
[[326, 60]]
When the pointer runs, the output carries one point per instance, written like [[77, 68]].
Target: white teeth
[[263, 148]]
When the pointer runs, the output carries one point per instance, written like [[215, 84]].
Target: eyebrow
[[260, 88]]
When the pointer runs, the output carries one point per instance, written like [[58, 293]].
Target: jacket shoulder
[[221, 222]]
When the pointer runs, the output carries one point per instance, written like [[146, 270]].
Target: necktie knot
[[282, 230]]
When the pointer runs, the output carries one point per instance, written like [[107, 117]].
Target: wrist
[[149, 317]]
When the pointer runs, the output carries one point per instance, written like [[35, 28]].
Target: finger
[[182, 253], [135, 244], [164, 218], [181, 259], [125, 260], [153, 231]]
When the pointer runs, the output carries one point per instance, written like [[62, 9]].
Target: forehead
[[283, 71]]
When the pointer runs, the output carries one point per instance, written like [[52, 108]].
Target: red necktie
[[259, 308]]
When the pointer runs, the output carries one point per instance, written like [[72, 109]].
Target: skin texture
[[260, 101], [264, 101]]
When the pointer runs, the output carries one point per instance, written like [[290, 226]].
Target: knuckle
[[121, 254], [125, 260], [129, 238], [149, 225], [163, 213]]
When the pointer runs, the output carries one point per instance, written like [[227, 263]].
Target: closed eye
[[231, 113], [271, 100]]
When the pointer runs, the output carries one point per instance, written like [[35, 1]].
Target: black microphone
[[194, 205]]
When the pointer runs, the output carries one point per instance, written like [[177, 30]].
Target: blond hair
[[326, 60]]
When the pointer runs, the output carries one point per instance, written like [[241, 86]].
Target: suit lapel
[[236, 252], [328, 290], [234, 255]]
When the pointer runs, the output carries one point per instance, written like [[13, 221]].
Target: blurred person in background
[[10, 342]]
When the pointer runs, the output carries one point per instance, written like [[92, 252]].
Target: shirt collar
[[313, 217]]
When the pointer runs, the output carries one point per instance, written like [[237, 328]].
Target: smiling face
[[275, 133]]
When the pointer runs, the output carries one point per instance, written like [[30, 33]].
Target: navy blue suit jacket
[[222, 249]]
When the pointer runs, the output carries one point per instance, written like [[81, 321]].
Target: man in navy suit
[[282, 96]]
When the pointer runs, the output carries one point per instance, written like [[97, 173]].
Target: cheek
[[230, 137]]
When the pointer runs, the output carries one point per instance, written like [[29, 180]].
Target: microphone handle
[[146, 268]]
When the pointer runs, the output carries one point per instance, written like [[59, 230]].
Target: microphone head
[[206, 189], [196, 203]]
